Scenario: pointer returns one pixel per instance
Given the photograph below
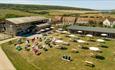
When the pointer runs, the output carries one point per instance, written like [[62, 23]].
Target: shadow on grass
[[100, 57], [104, 46]]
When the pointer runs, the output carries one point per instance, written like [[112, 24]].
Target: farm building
[[109, 22], [2, 26], [82, 21], [57, 19], [96, 31], [23, 25]]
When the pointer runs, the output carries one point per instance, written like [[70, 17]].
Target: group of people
[[67, 58], [35, 44]]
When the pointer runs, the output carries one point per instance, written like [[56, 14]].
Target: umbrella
[[60, 29], [81, 41], [71, 35], [52, 27], [42, 30], [47, 28], [64, 32], [89, 35], [100, 40], [58, 41], [79, 31], [94, 48], [104, 35]]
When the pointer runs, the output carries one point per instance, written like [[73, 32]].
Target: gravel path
[[5, 63]]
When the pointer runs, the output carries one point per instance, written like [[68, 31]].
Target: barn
[[96, 31], [24, 25]]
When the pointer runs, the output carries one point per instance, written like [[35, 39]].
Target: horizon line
[[59, 5]]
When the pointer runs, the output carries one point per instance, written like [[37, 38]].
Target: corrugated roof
[[41, 25], [21, 20], [95, 29]]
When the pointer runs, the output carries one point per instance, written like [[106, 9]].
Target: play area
[[61, 50]]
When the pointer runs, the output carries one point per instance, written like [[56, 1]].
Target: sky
[[92, 4]]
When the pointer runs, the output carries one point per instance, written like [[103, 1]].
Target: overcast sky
[[93, 4]]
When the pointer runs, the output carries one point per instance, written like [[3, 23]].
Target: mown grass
[[51, 59]]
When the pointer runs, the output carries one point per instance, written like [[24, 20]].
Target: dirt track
[[5, 63]]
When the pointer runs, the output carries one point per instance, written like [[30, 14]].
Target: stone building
[[2, 26], [24, 25]]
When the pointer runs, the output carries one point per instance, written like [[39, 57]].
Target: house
[[96, 31], [109, 22], [24, 25]]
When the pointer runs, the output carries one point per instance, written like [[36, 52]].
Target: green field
[[51, 59], [20, 10]]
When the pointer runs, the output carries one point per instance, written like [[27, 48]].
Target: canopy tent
[[81, 41], [89, 35], [104, 35], [94, 48], [100, 40]]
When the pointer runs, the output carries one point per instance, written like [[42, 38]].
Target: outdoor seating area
[[72, 48], [96, 31]]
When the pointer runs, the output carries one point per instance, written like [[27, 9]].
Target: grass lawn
[[51, 59]]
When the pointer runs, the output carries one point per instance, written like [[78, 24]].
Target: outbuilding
[[96, 31], [23, 25]]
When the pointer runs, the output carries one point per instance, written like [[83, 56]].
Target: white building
[[109, 22]]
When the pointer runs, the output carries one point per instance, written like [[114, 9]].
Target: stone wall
[[13, 29]]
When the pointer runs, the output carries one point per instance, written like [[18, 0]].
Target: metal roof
[[41, 25], [21, 20], [95, 29]]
